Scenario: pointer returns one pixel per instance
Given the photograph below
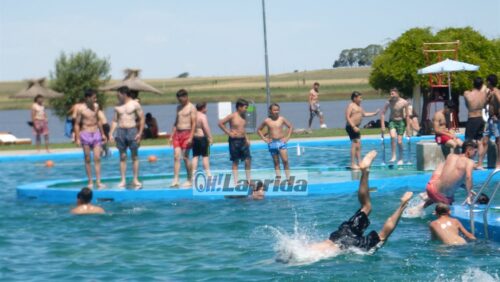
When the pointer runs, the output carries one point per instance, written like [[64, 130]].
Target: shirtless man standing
[[83, 205], [90, 135], [202, 139], [314, 109], [350, 232], [447, 229], [127, 115], [444, 136], [354, 114], [276, 139], [182, 137], [475, 100], [397, 122], [494, 115], [239, 144]]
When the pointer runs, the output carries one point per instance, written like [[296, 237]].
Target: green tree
[[73, 74], [397, 65]]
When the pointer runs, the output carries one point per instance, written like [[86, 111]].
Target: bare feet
[[423, 196], [187, 184], [405, 198], [354, 167], [90, 185], [174, 185], [100, 185], [367, 160], [479, 167], [400, 162], [122, 185], [137, 185], [393, 159]]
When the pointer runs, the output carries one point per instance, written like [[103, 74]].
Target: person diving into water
[[350, 233]]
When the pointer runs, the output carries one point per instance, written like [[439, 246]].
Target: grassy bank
[[333, 132], [336, 84]]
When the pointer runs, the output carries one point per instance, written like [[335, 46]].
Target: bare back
[[202, 128], [453, 173], [87, 209], [446, 229], [475, 100]]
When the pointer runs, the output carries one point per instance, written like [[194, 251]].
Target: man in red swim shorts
[[182, 137], [448, 176], [443, 135]]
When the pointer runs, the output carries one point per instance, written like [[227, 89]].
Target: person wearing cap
[[83, 205], [444, 136]]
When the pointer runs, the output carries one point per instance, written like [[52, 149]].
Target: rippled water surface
[[218, 240]]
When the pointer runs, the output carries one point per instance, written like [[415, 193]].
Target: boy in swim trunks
[[354, 114], [239, 144], [83, 205], [314, 109], [40, 123], [276, 139], [129, 118], [202, 139], [397, 122], [182, 137], [444, 136], [475, 100], [90, 133], [350, 233], [446, 229]]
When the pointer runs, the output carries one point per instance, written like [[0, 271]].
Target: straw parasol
[[133, 82], [36, 87]]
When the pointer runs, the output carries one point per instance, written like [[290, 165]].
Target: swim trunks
[[41, 127], [350, 233], [275, 146], [399, 125], [434, 194], [125, 138], [474, 128], [238, 149], [181, 138], [442, 139], [90, 139], [493, 128], [315, 110], [201, 147], [352, 134]]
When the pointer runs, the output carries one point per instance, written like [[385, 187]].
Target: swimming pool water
[[220, 240]]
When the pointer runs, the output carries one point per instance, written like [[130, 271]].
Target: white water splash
[[294, 249], [471, 274], [414, 209]]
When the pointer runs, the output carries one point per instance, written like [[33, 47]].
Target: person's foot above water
[[90, 185], [354, 167], [99, 185], [137, 185], [187, 184], [400, 162], [406, 198], [478, 167], [174, 184], [122, 184], [367, 160]]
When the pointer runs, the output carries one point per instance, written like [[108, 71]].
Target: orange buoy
[[49, 163], [152, 159]]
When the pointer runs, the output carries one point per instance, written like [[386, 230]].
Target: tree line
[[358, 57]]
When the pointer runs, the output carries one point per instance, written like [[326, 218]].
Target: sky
[[216, 37]]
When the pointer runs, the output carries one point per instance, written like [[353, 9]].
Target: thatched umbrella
[[36, 87], [133, 82]]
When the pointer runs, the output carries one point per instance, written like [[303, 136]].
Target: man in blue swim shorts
[[276, 139], [350, 233]]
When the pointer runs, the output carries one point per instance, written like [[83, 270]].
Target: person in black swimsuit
[[351, 232]]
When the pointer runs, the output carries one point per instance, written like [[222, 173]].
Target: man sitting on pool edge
[[350, 233], [83, 205], [446, 229]]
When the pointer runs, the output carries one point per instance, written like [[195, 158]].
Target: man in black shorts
[[350, 233], [476, 100], [202, 139]]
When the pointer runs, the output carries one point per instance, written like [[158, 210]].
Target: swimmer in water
[[350, 232], [446, 229], [83, 205], [258, 191]]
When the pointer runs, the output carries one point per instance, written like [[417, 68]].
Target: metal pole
[[268, 90]]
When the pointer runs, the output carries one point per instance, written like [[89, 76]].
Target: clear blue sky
[[217, 37]]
